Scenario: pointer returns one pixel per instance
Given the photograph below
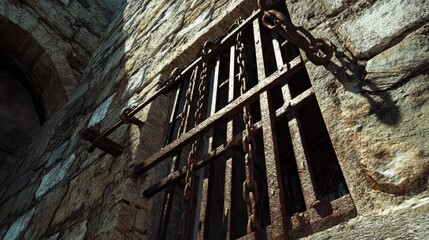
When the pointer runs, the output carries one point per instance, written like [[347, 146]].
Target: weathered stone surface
[[394, 147], [335, 6], [56, 154], [76, 232], [134, 83], [19, 226], [44, 212], [402, 225], [65, 2], [83, 35], [145, 40], [395, 167], [306, 13], [23, 200], [397, 63], [100, 112], [85, 191], [19, 183], [373, 30], [54, 237], [2, 232], [54, 176], [120, 217], [5, 209]]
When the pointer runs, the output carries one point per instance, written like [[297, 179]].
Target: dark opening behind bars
[[302, 189]]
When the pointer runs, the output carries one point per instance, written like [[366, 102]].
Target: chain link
[[317, 50], [188, 100], [250, 185], [188, 192]]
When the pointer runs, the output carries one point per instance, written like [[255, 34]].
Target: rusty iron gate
[[246, 140]]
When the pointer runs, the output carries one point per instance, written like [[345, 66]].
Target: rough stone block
[[54, 237], [19, 226], [101, 111], [44, 212], [120, 217], [83, 35], [5, 209], [85, 191], [23, 199], [19, 183], [395, 167], [134, 83], [76, 232], [54, 176], [65, 2], [397, 63], [335, 6], [371, 32], [56, 154], [394, 137]]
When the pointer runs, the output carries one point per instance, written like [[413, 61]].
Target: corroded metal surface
[[231, 109], [103, 143], [272, 163], [218, 125], [317, 50], [250, 185]]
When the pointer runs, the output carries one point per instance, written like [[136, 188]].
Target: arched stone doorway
[[35, 81], [21, 113]]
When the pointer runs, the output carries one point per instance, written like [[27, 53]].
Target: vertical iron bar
[[296, 137], [272, 162], [169, 194], [200, 229], [171, 124], [227, 211], [213, 98]]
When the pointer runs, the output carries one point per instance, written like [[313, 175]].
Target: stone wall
[[60, 191], [53, 42], [374, 100], [373, 97]]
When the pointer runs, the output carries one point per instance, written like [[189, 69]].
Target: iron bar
[[228, 184], [174, 115], [296, 135], [213, 155], [235, 106], [272, 162]]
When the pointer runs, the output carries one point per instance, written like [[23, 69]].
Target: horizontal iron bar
[[207, 159], [166, 88], [288, 70], [295, 102], [180, 174]]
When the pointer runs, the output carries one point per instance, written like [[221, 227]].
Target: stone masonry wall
[[373, 97], [59, 190], [52, 41], [77, 26]]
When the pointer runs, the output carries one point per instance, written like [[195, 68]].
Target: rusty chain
[[250, 185], [317, 50], [188, 200], [187, 104]]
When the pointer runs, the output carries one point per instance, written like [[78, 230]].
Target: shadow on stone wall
[[351, 75]]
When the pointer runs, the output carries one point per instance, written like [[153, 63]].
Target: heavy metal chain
[[316, 49], [188, 192], [250, 185], [188, 100]]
